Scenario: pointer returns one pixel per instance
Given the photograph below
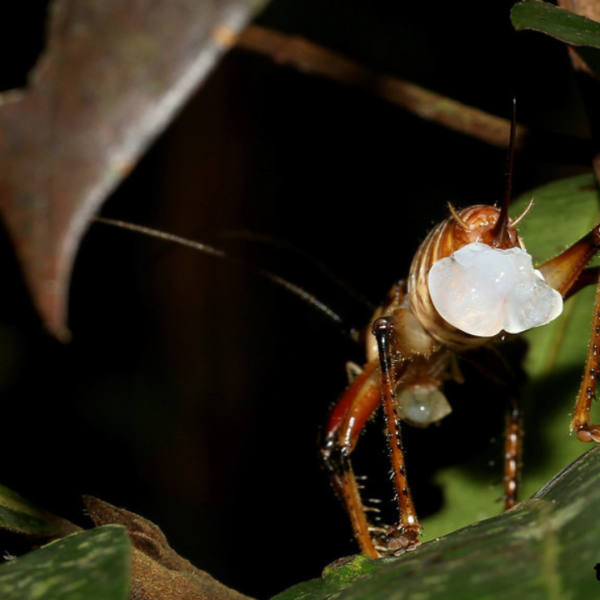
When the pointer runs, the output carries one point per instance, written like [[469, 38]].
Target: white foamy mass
[[483, 290]]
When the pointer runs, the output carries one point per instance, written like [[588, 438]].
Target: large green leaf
[[91, 565], [562, 213], [557, 22], [545, 548], [577, 31]]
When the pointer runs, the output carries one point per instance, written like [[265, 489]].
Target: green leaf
[[91, 565], [556, 22], [545, 548], [573, 29], [21, 516], [563, 212]]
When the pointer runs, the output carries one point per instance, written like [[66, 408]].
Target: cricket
[[471, 285]]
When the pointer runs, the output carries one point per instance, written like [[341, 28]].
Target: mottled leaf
[[111, 78], [545, 548], [18, 515], [91, 565]]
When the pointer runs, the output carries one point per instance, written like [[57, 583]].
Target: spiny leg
[[565, 270], [587, 432], [405, 535], [567, 274], [513, 441], [508, 376], [346, 421]]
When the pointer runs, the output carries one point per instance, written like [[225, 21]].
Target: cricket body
[[471, 284]]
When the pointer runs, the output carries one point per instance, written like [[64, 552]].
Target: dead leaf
[[110, 80], [158, 572]]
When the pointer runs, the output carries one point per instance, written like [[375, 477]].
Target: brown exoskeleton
[[471, 283]]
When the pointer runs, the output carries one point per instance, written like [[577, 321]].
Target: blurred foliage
[[91, 565]]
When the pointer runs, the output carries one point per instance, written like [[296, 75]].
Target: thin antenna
[[315, 263], [500, 234], [294, 289]]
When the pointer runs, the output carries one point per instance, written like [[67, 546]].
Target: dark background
[[194, 391]]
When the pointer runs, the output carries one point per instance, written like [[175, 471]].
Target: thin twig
[[301, 54]]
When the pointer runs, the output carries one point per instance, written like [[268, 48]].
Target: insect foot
[[588, 433], [401, 540]]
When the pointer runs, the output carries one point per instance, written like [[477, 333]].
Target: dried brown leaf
[[158, 572], [111, 78]]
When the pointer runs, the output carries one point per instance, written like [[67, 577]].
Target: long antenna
[[500, 234], [315, 263], [294, 289]]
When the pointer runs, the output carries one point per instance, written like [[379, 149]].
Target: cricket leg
[[346, 421], [513, 442], [508, 376], [405, 535], [567, 273], [586, 431]]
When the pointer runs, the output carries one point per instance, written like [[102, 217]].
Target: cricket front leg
[[406, 534]]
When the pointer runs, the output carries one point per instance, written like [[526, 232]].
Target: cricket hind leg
[[567, 273], [586, 431], [346, 421], [513, 447], [377, 385], [508, 376]]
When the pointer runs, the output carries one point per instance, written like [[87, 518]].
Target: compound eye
[[483, 290]]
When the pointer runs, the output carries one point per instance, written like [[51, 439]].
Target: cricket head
[[488, 284]]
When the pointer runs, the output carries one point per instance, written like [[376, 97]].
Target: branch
[[299, 53]]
